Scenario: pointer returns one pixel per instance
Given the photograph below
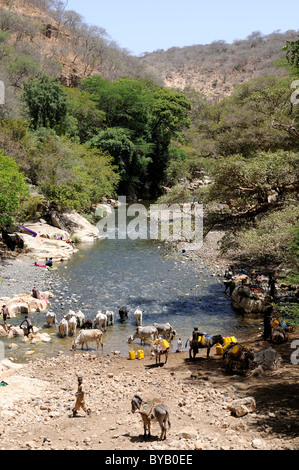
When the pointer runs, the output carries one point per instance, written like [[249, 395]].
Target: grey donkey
[[150, 411]]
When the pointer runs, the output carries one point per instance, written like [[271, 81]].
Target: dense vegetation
[[100, 130], [248, 144]]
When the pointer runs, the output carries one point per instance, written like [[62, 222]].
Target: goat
[[208, 342], [89, 336], [152, 410]]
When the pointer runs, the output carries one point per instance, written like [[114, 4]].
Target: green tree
[[46, 102], [88, 118], [12, 188], [130, 158], [292, 52], [149, 116]]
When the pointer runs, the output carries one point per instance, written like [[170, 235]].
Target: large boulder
[[44, 230], [41, 248], [249, 299], [76, 225], [25, 303]]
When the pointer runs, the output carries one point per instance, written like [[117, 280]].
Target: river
[[167, 287]]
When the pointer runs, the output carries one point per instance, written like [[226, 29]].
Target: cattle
[[51, 319], [123, 313], [151, 410], [138, 317], [166, 330], [69, 315], [144, 332], [72, 325], [87, 325], [80, 318], [110, 317], [89, 336], [100, 321], [63, 328]]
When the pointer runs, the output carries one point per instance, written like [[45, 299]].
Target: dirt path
[[36, 405]]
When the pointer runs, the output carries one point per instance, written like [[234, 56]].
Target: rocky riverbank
[[36, 405]]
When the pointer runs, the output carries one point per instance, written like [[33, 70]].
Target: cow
[[100, 321], [63, 328], [89, 336], [72, 325], [144, 332], [110, 317], [51, 319], [123, 313], [138, 317], [166, 330]]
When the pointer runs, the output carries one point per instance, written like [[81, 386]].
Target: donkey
[[150, 411], [241, 359], [208, 343]]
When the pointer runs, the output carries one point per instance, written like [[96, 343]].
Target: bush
[[12, 188]]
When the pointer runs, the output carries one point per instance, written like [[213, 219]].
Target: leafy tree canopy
[[12, 188]]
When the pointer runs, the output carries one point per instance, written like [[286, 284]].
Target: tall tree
[[46, 102], [12, 188]]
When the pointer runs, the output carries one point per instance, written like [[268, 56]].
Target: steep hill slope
[[216, 69], [62, 44]]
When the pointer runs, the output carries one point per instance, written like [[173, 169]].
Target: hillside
[[216, 69], [62, 44]]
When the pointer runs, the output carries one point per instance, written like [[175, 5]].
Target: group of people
[[6, 316], [229, 278], [27, 321]]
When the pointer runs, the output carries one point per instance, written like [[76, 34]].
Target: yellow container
[[226, 340], [235, 349], [140, 354], [201, 338], [233, 339], [275, 323], [166, 344], [219, 349], [131, 355], [225, 347]]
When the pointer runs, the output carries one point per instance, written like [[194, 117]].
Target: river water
[[167, 287]]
